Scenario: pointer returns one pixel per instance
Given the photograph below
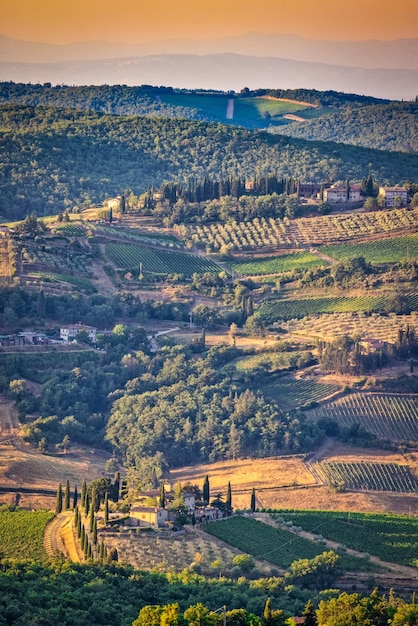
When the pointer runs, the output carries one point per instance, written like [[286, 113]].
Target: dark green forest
[[52, 159], [391, 126]]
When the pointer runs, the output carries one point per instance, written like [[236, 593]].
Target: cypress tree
[[83, 537], [87, 505], [95, 532], [58, 505], [106, 509], [161, 500], [75, 497], [79, 525], [229, 497], [91, 519], [75, 517], [86, 548], [67, 495], [41, 304], [89, 551], [83, 493], [252, 505], [206, 490]]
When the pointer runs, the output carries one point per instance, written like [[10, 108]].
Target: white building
[[338, 193], [392, 195], [69, 333]]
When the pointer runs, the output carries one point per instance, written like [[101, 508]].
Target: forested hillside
[[53, 158], [391, 126]]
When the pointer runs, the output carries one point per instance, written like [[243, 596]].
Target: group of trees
[[176, 411], [116, 153]]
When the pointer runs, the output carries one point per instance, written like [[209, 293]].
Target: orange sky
[[133, 21]]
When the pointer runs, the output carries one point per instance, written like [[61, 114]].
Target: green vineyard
[[21, 534], [391, 250], [388, 416], [274, 310], [393, 538], [276, 264], [369, 476], [159, 261], [71, 230], [134, 234], [291, 393], [275, 545]]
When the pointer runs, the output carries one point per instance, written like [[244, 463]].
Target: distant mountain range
[[401, 53], [219, 71]]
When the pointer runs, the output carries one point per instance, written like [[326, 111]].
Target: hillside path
[[59, 537]]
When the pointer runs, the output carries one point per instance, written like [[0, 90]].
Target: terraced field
[[390, 416]]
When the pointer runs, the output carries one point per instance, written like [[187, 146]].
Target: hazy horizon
[[134, 23]]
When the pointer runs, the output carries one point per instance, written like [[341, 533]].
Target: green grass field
[[21, 534], [82, 284], [272, 360], [252, 111], [391, 250], [393, 538], [291, 393], [276, 264]]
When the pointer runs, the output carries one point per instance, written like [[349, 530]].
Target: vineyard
[[71, 230], [292, 393], [275, 545], [274, 310], [393, 538], [280, 547], [134, 234], [21, 534], [276, 264], [369, 476], [80, 283], [388, 416], [329, 327], [158, 261], [391, 250], [284, 233]]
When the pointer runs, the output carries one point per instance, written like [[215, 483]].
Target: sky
[[136, 21]]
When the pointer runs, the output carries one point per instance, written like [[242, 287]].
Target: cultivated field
[[390, 416], [302, 232], [329, 327]]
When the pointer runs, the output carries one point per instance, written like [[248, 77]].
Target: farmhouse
[[69, 333], [338, 193], [150, 516], [394, 196]]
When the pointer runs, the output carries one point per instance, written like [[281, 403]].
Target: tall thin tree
[[67, 495], [75, 498], [253, 502], [83, 493], [58, 504], [229, 497], [206, 490], [106, 509]]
